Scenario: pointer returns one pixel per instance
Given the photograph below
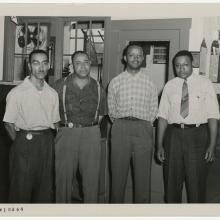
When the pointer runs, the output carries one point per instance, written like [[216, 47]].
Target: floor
[[213, 182]]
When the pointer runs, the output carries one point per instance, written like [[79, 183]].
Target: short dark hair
[[79, 52], [183, 53], [125, 51], [36, 52]]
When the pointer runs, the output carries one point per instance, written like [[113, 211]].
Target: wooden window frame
[[57, 24]]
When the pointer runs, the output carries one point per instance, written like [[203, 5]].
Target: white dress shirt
[[203, 102]]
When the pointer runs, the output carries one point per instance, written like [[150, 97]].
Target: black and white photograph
[[109, 105]]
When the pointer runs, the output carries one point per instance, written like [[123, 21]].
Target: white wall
[[2, 20]]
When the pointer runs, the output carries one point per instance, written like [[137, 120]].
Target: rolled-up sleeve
[[111, 100], [154, 103], [211, 102], [11, 111], [56, 114], [163, 111]]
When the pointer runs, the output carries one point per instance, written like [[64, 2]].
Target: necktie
[[184, 109]]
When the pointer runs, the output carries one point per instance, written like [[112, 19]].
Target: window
[[87, 36], [60, 37], [28, 36]]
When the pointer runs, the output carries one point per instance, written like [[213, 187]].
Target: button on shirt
[[30, 109], [203, 102], [81, 104], [132, 95]]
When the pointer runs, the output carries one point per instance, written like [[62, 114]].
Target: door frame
[[174, 30]]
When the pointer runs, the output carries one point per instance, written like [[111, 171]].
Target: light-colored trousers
[[77, 148]]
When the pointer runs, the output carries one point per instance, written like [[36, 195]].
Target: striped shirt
[[203, 102], [132, 96]]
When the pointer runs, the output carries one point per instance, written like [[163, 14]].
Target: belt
[[130, 118], [36, 132], [77, 125], [185, 126], [30, 133]]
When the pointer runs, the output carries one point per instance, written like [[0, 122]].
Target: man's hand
[[160, 154], [10, 128], [209, 155]]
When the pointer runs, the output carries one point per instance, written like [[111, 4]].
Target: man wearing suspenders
[[78, 141]]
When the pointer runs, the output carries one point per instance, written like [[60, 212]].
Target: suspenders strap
[[99, 98], [64, 97]]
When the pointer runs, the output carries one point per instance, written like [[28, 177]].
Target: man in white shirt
[[187, 129], [32, 110]]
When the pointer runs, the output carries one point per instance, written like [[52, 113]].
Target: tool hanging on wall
[[203, 58], [214, 61]]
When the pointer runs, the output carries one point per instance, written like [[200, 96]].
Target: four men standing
[[187, 130]]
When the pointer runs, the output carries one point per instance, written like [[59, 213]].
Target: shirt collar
[[189, 78], [28, 82], [138, 74]]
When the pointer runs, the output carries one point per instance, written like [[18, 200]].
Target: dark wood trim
[[58, 24], [9, 48], [163, 24], [106, 51]]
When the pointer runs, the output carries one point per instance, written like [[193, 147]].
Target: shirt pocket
[[197, 101]]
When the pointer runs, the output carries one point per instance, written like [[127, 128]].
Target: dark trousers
[[131, 140], [31, 169], [184, 161]]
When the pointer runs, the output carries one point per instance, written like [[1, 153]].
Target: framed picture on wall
[[196, 57], [160, 55]]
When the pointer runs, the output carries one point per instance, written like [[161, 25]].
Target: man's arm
[[213, 128], [162, 125], [154, 103], [10, 128], [212, 109], [111, 101]]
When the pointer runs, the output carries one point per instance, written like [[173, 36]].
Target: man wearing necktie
[[187, 130]]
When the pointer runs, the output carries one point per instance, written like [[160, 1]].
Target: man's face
[[81, 65], [183, 67], [38, 65], [134, 58]]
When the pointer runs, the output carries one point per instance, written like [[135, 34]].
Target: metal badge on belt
[[29, 136], [70, 125]]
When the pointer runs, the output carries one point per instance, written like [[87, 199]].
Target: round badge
[[70, 124], [29, 136]]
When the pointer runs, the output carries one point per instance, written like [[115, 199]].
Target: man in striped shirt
[[133, 105]]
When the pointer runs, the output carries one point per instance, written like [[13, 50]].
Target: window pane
[[31, 38], [66, 40], [72, 46], [89, 40], [42, 37], [20, 39], [80, 44], [67, 67]]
